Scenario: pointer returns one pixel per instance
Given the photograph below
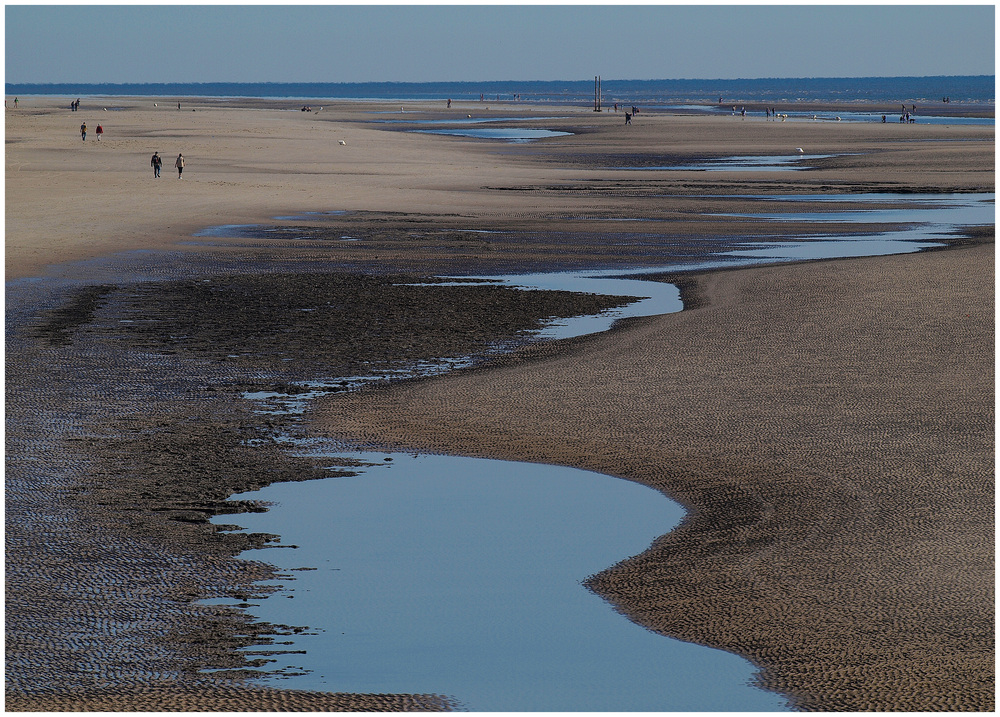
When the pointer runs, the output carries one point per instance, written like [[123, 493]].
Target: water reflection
[[461, 576], [466, 120], [514, 134], [936, 213], [652, 298], [925, 222], [747, 163], [809, 250]]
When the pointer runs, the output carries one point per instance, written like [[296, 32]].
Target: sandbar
[[828, 425]]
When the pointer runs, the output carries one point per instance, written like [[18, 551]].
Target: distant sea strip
[[975, 89]]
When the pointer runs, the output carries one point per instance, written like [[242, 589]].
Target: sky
[[426, 43]]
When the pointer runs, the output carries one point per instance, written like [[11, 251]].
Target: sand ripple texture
[[830, 427], [126, 432]]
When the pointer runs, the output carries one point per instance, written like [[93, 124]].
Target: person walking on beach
[[83, 131], [99, 131], [15, 103], [179, 163], [156, 162], [628, 118]]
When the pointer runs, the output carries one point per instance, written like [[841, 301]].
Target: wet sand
[[828, 425], [834, 449], [248, 162]]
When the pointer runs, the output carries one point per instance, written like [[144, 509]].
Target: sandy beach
[[828, 425]]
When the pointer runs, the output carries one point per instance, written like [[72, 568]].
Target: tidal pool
[[746, 163], [830, 249], [925, 223], [651, 298], [462, 577], [928, 221], [513, 134], [466, 120], [934, 213]]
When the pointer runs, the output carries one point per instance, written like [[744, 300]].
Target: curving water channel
[[459, 127], [743, 163], [511, 134], [463, 576]]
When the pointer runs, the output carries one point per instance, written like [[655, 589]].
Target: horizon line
[[425, 82]]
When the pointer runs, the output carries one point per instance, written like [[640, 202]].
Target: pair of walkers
[[156, 162], [83, 132]]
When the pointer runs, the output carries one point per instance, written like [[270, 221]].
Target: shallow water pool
[[462, 577], [747, 163], [512, 134]]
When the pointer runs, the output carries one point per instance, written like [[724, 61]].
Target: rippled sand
[[834, 448], [829, 425]]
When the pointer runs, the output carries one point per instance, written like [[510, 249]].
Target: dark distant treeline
[[973, 88]]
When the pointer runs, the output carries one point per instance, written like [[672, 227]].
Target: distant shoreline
[[966, 89], [957, 110]]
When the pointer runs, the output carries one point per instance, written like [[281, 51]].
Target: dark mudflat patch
[[338, 324], [136, 387], [58, 324]]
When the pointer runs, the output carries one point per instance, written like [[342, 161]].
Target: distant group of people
[[157, 162], [628, 115], [74, 106], [769, 112], [904, 114], [515, 96]]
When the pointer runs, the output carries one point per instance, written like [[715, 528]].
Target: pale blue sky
[[409, 43]]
